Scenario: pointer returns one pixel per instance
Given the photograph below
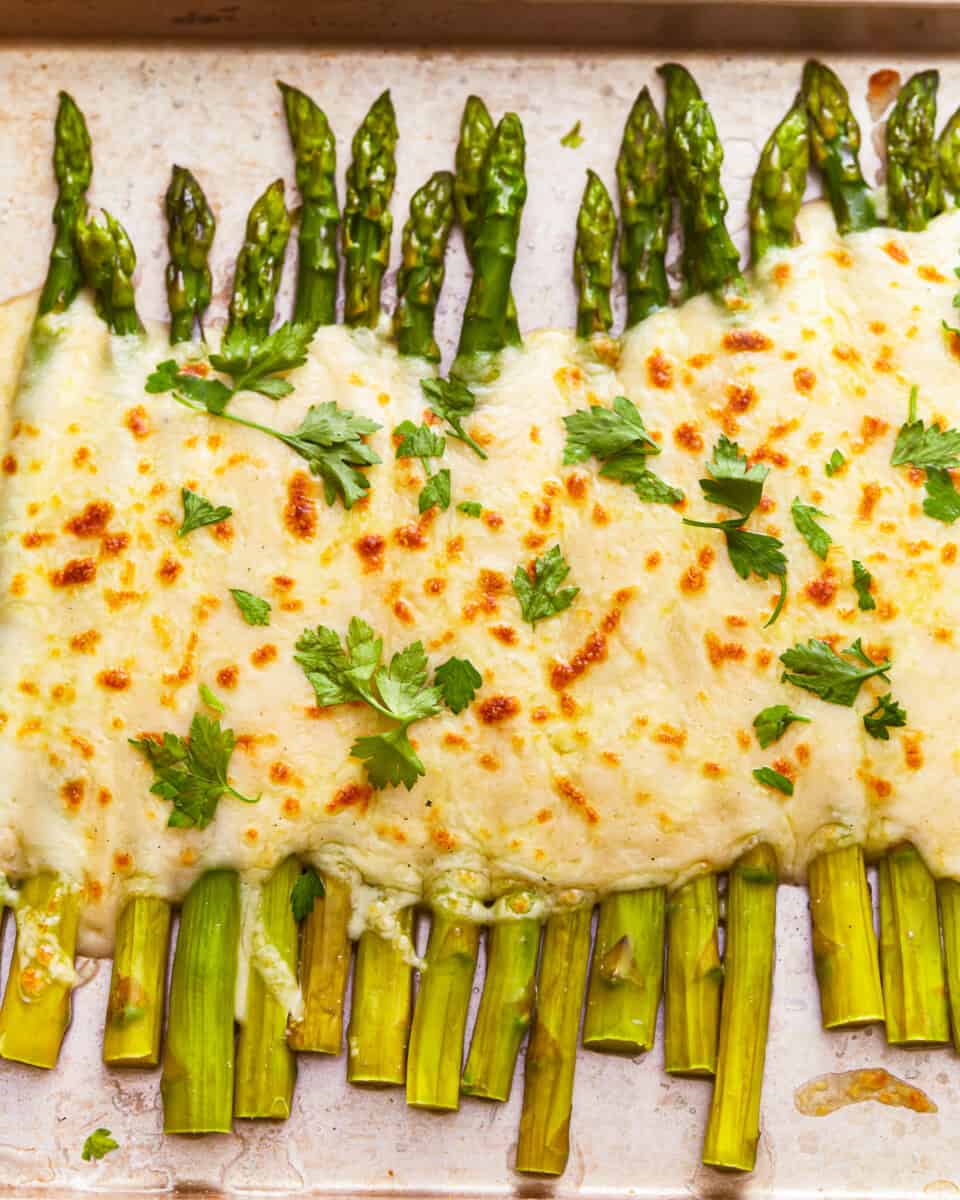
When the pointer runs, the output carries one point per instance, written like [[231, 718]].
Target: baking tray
[[635, 1131]]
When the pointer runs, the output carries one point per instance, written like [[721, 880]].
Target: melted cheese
[[609, 748]]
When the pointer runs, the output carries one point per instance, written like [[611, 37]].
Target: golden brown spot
[[692, 580], [504, 633], [34, 538], [912, 753], [542, 513], [713, 770], [743, 739], [263, 655], [881, 787], [83, 643], [137, 421], [489, 762], [370, 547], [82, 746], [279, 772], [882, 86], [870, 494], [535, 434], [223, 531], [659, 370], [495, 709], [444, 840], [653, 560], [872, 428], [687, 436], [948, 553], [290, 806], [435, 586], [843, 258], [823, 589], [115, 679], [931, 274], [576, 484], [896, 252], [720, 652], [669, 735], [81, 455], [804, 380], [492, 520], [9, 465], [600, 515], [72, 792], [781, 274], [403, 612], [544, 815], [112, 544], [74, 573], [352, 795], [846, 353], [577, 799], [169, 569], [455, 741], [300, 513], [749, 340], [122, 861]]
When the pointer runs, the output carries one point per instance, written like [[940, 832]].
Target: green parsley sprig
[[199, 511], [618, 439], [773, 779], [98, 1144], [885, 715], [862, 581], [419, 441], [452, 401], [833, 677], [770, 724], [538, 588], [935, 451], [306, 892], [814, 534]]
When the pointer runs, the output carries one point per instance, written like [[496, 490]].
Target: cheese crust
[[612, 746]]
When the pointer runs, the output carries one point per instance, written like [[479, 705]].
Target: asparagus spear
[[733, 1126], [835, 148], [911, 961], [779, 183], [503, 192], [476, 134], [440, 1013], [367, 223], [948, 891], [315, 152], [593, 258], [644, 187], [844, 941], [108, 260], [914, 190], [324, 967], [266, 1066], [948, 159], [258, 271], [506, 1005], [420, 277], [694, 979], [382, 1007], [72, 167], [627, 973], [131, 1036], [710, 260], [544, 1142], [36, 1003], [198, 1058], [190, 230]]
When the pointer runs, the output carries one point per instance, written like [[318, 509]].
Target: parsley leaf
[[436, 491], [453, 402], [99, 1143], [818, 668], [885, 715], [772, 723], [918, 446], [813, 534], [573, 138], [253, 367], [834, 464], [254, 609], [198, 511], [306, 892], [458, 680], [733, 482], [470, 508], [862, 579], [210, 700], [773, 779], [540, 594], [618, 439], [191, 772], [352, 671], [213, 394], [419, 441], [943, 500]]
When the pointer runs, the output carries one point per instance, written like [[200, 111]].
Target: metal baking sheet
[[635, 1131]]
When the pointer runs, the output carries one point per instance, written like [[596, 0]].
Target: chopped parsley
[[191, 772], [435, 491], [352, 671], [885, 715], [211, 700], [306, 892], [253, 367], [773, 779], [453, 402], [929, 447], [539, 590], [862, 579], [198, 511], [813, 534], [253, 609], [470, 508], [818, 668], [834, 464], [419, 441], [772, 723], [618, 439], [942, 500], [733, 483], [458, 680], [573, 138], [99, 1143]]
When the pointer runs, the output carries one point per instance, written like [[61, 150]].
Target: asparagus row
[[420, 277], [266, 1066], [948, 159], [131, 1036], [544, 1142], [733, 1126], [108, 260], [198, 1058], [911, 960], [190, 230], [36, 1003], [476, 134], [914, 189], [694, 979], [710, 260], [382, 1006], [367, 224], [835, 148], [506, 1006], [257, 275], [593, 258], [948, 893], [779, 183], [440, 1015], [644, 186], [73, 168], [324, 968], [315, 154]]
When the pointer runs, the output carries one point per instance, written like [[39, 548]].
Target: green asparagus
[[691, 1001], [190, 230], [643, 181], [779, 183], [914, 190], [367, 224], [257, 275], [948, 159], [108, 261], [382, 1006], [835, 148], [420, 277], [948, 892], [593, 258], [131, 1036], [72, 167], [324, 968]]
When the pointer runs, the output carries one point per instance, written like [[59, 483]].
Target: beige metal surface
[[635, 1132]]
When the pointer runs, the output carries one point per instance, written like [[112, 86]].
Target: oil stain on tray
[[824, 1094]]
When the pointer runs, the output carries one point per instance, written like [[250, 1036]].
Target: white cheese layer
[[610, 747]]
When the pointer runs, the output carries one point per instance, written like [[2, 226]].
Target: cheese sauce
[[610, 747]]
